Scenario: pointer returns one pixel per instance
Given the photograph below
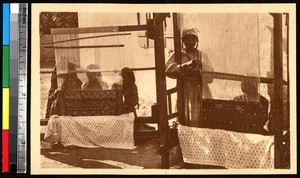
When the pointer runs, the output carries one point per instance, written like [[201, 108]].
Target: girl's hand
[[189, 63], [192, 63], [55, 93]]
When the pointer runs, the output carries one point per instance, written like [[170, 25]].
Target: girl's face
[[190, 41], [94, 76]]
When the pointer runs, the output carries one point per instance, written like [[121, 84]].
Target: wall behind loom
[[232, 43]]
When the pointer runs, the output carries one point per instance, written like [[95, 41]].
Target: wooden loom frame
[[277, 81], [154, 118]]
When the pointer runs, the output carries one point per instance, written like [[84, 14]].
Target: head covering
[[190, 31], [93, 66]]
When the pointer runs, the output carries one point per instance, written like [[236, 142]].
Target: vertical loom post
[[138, 19], [288, 159], [161, 89], [278, 89], [177, 47]]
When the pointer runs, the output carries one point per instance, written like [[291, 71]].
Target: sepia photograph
[[163, 89]]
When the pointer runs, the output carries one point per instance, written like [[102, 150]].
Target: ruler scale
[[14, 49], [22, 89]]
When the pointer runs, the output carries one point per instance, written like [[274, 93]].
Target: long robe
[[192, 86]]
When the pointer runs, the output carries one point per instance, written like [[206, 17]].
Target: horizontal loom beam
[[58, 31]]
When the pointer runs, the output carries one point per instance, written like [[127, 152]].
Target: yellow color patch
[[5, 109]]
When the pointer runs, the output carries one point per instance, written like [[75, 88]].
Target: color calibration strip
[[14, 91], [5, 89]]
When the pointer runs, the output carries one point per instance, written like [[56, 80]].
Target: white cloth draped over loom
[[92, 131], [226, 148], [232, 45]]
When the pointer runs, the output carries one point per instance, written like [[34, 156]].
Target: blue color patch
[[6, 22]]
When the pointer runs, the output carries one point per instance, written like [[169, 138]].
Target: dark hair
[[249, 87], [93, 66], [72, 68], [127, 75]]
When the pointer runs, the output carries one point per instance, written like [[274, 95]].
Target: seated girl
[[251, 94], [94, 79], [70, 83], [130, 93], [130, 90]]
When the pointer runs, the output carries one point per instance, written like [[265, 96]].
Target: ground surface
[[144, 156]]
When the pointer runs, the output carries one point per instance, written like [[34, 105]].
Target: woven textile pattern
[[91, 103], [226, 148], [92, 131], [238, 116]]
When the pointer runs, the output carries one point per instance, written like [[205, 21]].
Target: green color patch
[[5, 58]]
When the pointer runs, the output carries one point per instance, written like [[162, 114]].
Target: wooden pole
[[87, 46], [138, 19], [177, 48], [288, 66], [161, 89], [57, 31], [278, 90], [147, 38], [89, 37], [288, 158]]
